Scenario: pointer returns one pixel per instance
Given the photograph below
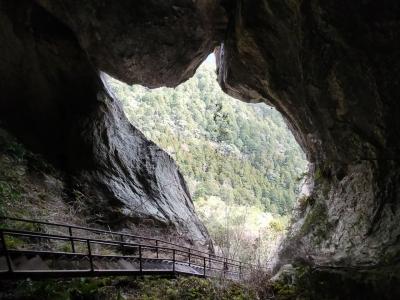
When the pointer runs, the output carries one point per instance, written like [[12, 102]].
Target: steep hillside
[[241, 153], [242, 164]]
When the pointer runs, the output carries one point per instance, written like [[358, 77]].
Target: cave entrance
[[242, 164]]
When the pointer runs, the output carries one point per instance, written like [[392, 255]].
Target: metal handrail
[[198, 259], [103, 242], [94, 230], [89, 254]]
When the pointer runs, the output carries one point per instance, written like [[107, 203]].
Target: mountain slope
[[242, 153]]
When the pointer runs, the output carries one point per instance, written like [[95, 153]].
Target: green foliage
[[49, 289], [242, 153], [80, 288], [17, 150], [316, 221], [191, 288], [318, 174], [277, 225], [17, 166], [8, 192], [303, 202], [239, 160], [146, 288], [292, 284], [284, 291], [13, 242], [11, 153]]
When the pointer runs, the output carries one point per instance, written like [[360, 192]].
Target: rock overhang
[[330, 68]]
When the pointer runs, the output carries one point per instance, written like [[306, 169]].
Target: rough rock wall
[[54, 101], [149, 42], [332, 69]]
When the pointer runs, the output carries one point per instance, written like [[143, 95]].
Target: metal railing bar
[[16, 251], [192, 256], [94, 255], [98, 272], [112, 233], [95, 230], [39, 235], [66, 238], [71, 254], [95, 241]]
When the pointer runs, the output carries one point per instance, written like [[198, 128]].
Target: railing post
[[209, 260], [157, 247], [173, 260], [189, 256], [122, 245], [140, 259], [6, 254], [204, 266], [240, 270], [90, 255], [71, 239], [225, 265]]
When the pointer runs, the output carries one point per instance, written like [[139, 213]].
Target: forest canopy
[[242, 164], [240, 152]]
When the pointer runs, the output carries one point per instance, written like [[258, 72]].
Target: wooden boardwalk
[[76, 251]]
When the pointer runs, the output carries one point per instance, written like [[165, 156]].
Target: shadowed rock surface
[[330, 67], [136, 40], [54, 101]]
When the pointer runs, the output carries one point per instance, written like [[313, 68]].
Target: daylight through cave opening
[[241, 163], [328, 66]]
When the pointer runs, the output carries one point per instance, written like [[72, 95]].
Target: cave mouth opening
[[242, 165]]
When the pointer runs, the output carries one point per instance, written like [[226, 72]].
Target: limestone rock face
[[54, 101], [136, 40], [332, 69], [133, 178]]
